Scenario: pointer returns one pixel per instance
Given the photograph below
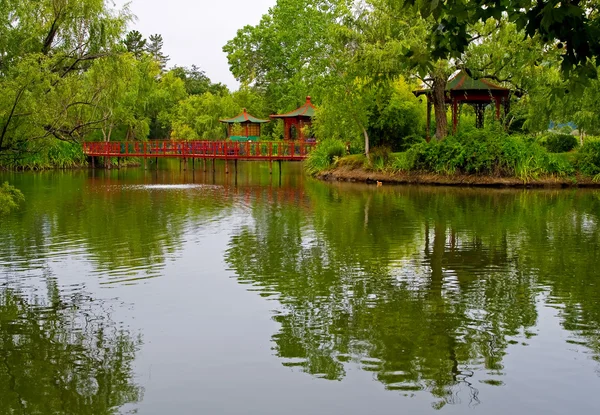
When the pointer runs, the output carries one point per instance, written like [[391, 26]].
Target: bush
[[559, 143], [323, 156], [409, 141], [402, 161], [486, 151], [588, 159]]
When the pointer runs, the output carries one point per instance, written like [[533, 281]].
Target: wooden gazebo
[[295, 121], [462, 89], [250, 127]]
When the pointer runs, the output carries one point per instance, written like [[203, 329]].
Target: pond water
[[165, 291]]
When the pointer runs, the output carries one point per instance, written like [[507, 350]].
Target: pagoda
[[250, 127], [295, 121], [462, 89]]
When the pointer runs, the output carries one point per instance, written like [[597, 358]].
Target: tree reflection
[[422, 287], [59, 356]]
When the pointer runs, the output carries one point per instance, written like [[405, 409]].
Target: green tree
[[47, 47], [196, 82], [135, 43], [197, 117], [573, 27], [154, 48]]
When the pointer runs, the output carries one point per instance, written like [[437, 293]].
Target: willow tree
[[47, 46]]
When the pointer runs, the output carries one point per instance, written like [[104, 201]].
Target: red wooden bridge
[[219, 150]]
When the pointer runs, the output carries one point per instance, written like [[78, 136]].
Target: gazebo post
[[428, 126], [454, 115]]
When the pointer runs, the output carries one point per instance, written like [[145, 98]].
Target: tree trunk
[[438, 93], [366, 134]]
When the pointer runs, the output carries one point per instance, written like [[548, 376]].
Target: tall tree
[[47, 47], [574, 26], [154, 48], [135, 43]]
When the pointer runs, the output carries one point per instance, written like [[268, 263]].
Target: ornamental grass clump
[[324, 155]]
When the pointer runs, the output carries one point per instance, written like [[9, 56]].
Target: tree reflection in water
[[63, 355], [422, 287]]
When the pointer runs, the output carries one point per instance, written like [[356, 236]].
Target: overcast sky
[[195, 31]]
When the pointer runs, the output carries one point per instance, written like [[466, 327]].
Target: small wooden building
[[250, 127], [462, 89], [294, 122]]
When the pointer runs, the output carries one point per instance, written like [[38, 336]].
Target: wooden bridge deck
[[222, 150]]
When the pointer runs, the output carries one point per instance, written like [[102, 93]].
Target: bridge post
[[213, 164], [156, 162], [226, 166], [235, 163], [204, 164], [270, 166], [193, 163], [93, 162]]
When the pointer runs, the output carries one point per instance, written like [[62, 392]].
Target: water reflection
[[426, 288], [62, 354], [430, 291]]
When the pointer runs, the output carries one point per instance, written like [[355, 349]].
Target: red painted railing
[[234, 150]]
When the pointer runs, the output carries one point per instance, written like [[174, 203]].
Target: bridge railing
[[267, 150]]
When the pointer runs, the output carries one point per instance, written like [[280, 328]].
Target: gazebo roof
[[243, 118], [462, 82], [306, 110]]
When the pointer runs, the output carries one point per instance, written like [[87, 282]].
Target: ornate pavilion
[[463, 89], [250, 127], [295, 121]]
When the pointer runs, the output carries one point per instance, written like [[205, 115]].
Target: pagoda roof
[[243, 118], [463, 82], [306, 110]]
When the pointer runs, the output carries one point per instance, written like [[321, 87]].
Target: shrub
[[487, 151], [403, 161], [559, 143], [588, 159], [409, 141], [323, 156]]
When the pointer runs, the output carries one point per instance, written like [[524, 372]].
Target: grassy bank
[[57, 154], [479, 157]]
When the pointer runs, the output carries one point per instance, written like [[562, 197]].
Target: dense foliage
[[10, 198], [70, 71]]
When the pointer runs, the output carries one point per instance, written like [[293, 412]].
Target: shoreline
[[358, 174]]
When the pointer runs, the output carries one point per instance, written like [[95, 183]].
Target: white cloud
[[194, 32]]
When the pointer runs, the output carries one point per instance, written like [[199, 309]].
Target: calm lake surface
[[158, 292]]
